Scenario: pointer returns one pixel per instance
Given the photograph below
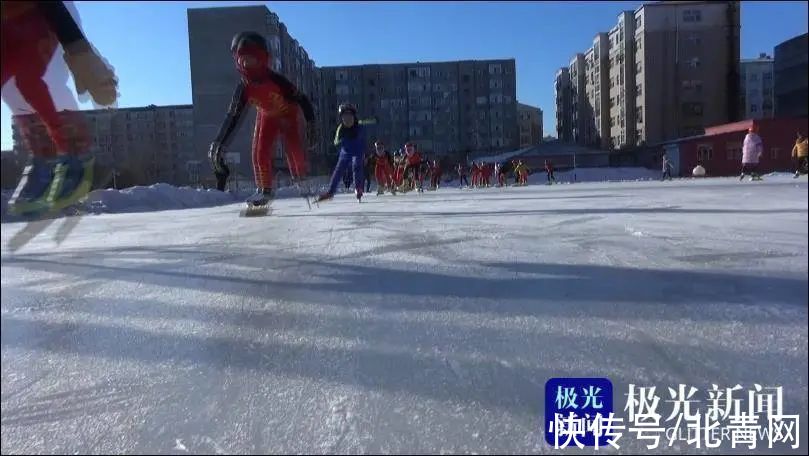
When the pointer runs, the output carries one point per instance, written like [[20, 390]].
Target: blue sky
[[147, 42]]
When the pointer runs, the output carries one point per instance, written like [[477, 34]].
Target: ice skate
[[72, 180], [30, 196], [258, 203]]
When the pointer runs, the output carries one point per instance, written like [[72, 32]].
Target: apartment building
[[564, 131], [622, 83], [530, 122], [686, 68], [756, 87], [597, 133], [214, 76], [144, 145], [791, 70], [672, 70], [579, 113], [445, 108]]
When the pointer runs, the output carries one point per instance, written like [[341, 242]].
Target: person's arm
[[233, 117], [61, 22], [291, 93], [795, 149]]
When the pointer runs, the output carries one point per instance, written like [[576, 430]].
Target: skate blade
[[255, 211]]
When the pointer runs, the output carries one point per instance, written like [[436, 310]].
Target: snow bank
[[160, 197], [155, 197]]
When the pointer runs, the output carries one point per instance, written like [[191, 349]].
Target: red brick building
[[719, 150]]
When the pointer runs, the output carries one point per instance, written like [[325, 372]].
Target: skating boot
[[72, 179], [324, 197], [30, 196], [258, 203]]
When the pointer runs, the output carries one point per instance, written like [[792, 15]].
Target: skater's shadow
[[524, 289], [34, 228]]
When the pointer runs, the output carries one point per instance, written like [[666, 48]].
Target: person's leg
[[359, 174], [295, 150], [264, 136], [339, 170]]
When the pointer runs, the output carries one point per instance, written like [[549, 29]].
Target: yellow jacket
[[800, 149]]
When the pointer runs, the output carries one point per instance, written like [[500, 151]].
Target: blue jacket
[[355, 146]]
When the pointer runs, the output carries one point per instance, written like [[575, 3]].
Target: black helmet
[[248, 38], [346, 107]]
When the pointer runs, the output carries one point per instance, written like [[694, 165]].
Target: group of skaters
[[482, 173], [399, 172]]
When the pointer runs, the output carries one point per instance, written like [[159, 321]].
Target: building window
[[639, 90], [639, 115], [371, 82], [692, 16], [704, 152], [694, 62], [638, 22], [753, 107], [638, 67]]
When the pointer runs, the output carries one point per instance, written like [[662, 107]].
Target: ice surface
[[411, 323]]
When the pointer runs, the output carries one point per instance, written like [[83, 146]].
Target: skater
[[350, 141], [502, 172], [60, 171], [412, 166], [549, 172], [521, 172], [666, 167], [278, 105], [462, 172], [383, 169], [475, 175], [799, 151], [752, 150], [399, 167], [435, 175]]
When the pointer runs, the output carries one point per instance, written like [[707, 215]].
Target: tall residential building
[[444, 108], [622, 81], [564, 131], [597, 133], [214, 76], [530, 121], [145, 145], [756, 87], [791, 70], [687, 67], [578, 95]]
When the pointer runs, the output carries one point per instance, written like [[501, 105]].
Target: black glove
[[216, 156]]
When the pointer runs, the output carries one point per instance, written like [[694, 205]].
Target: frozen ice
[[411, 323]]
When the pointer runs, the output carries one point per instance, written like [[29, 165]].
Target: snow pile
[[161, 197], [155, 197]]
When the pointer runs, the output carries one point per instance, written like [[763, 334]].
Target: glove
[[216, 156], [91, 73]]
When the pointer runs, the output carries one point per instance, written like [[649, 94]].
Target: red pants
[[383, 173], [264, 138], [28, 45], [398, 176], [475, 178]]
